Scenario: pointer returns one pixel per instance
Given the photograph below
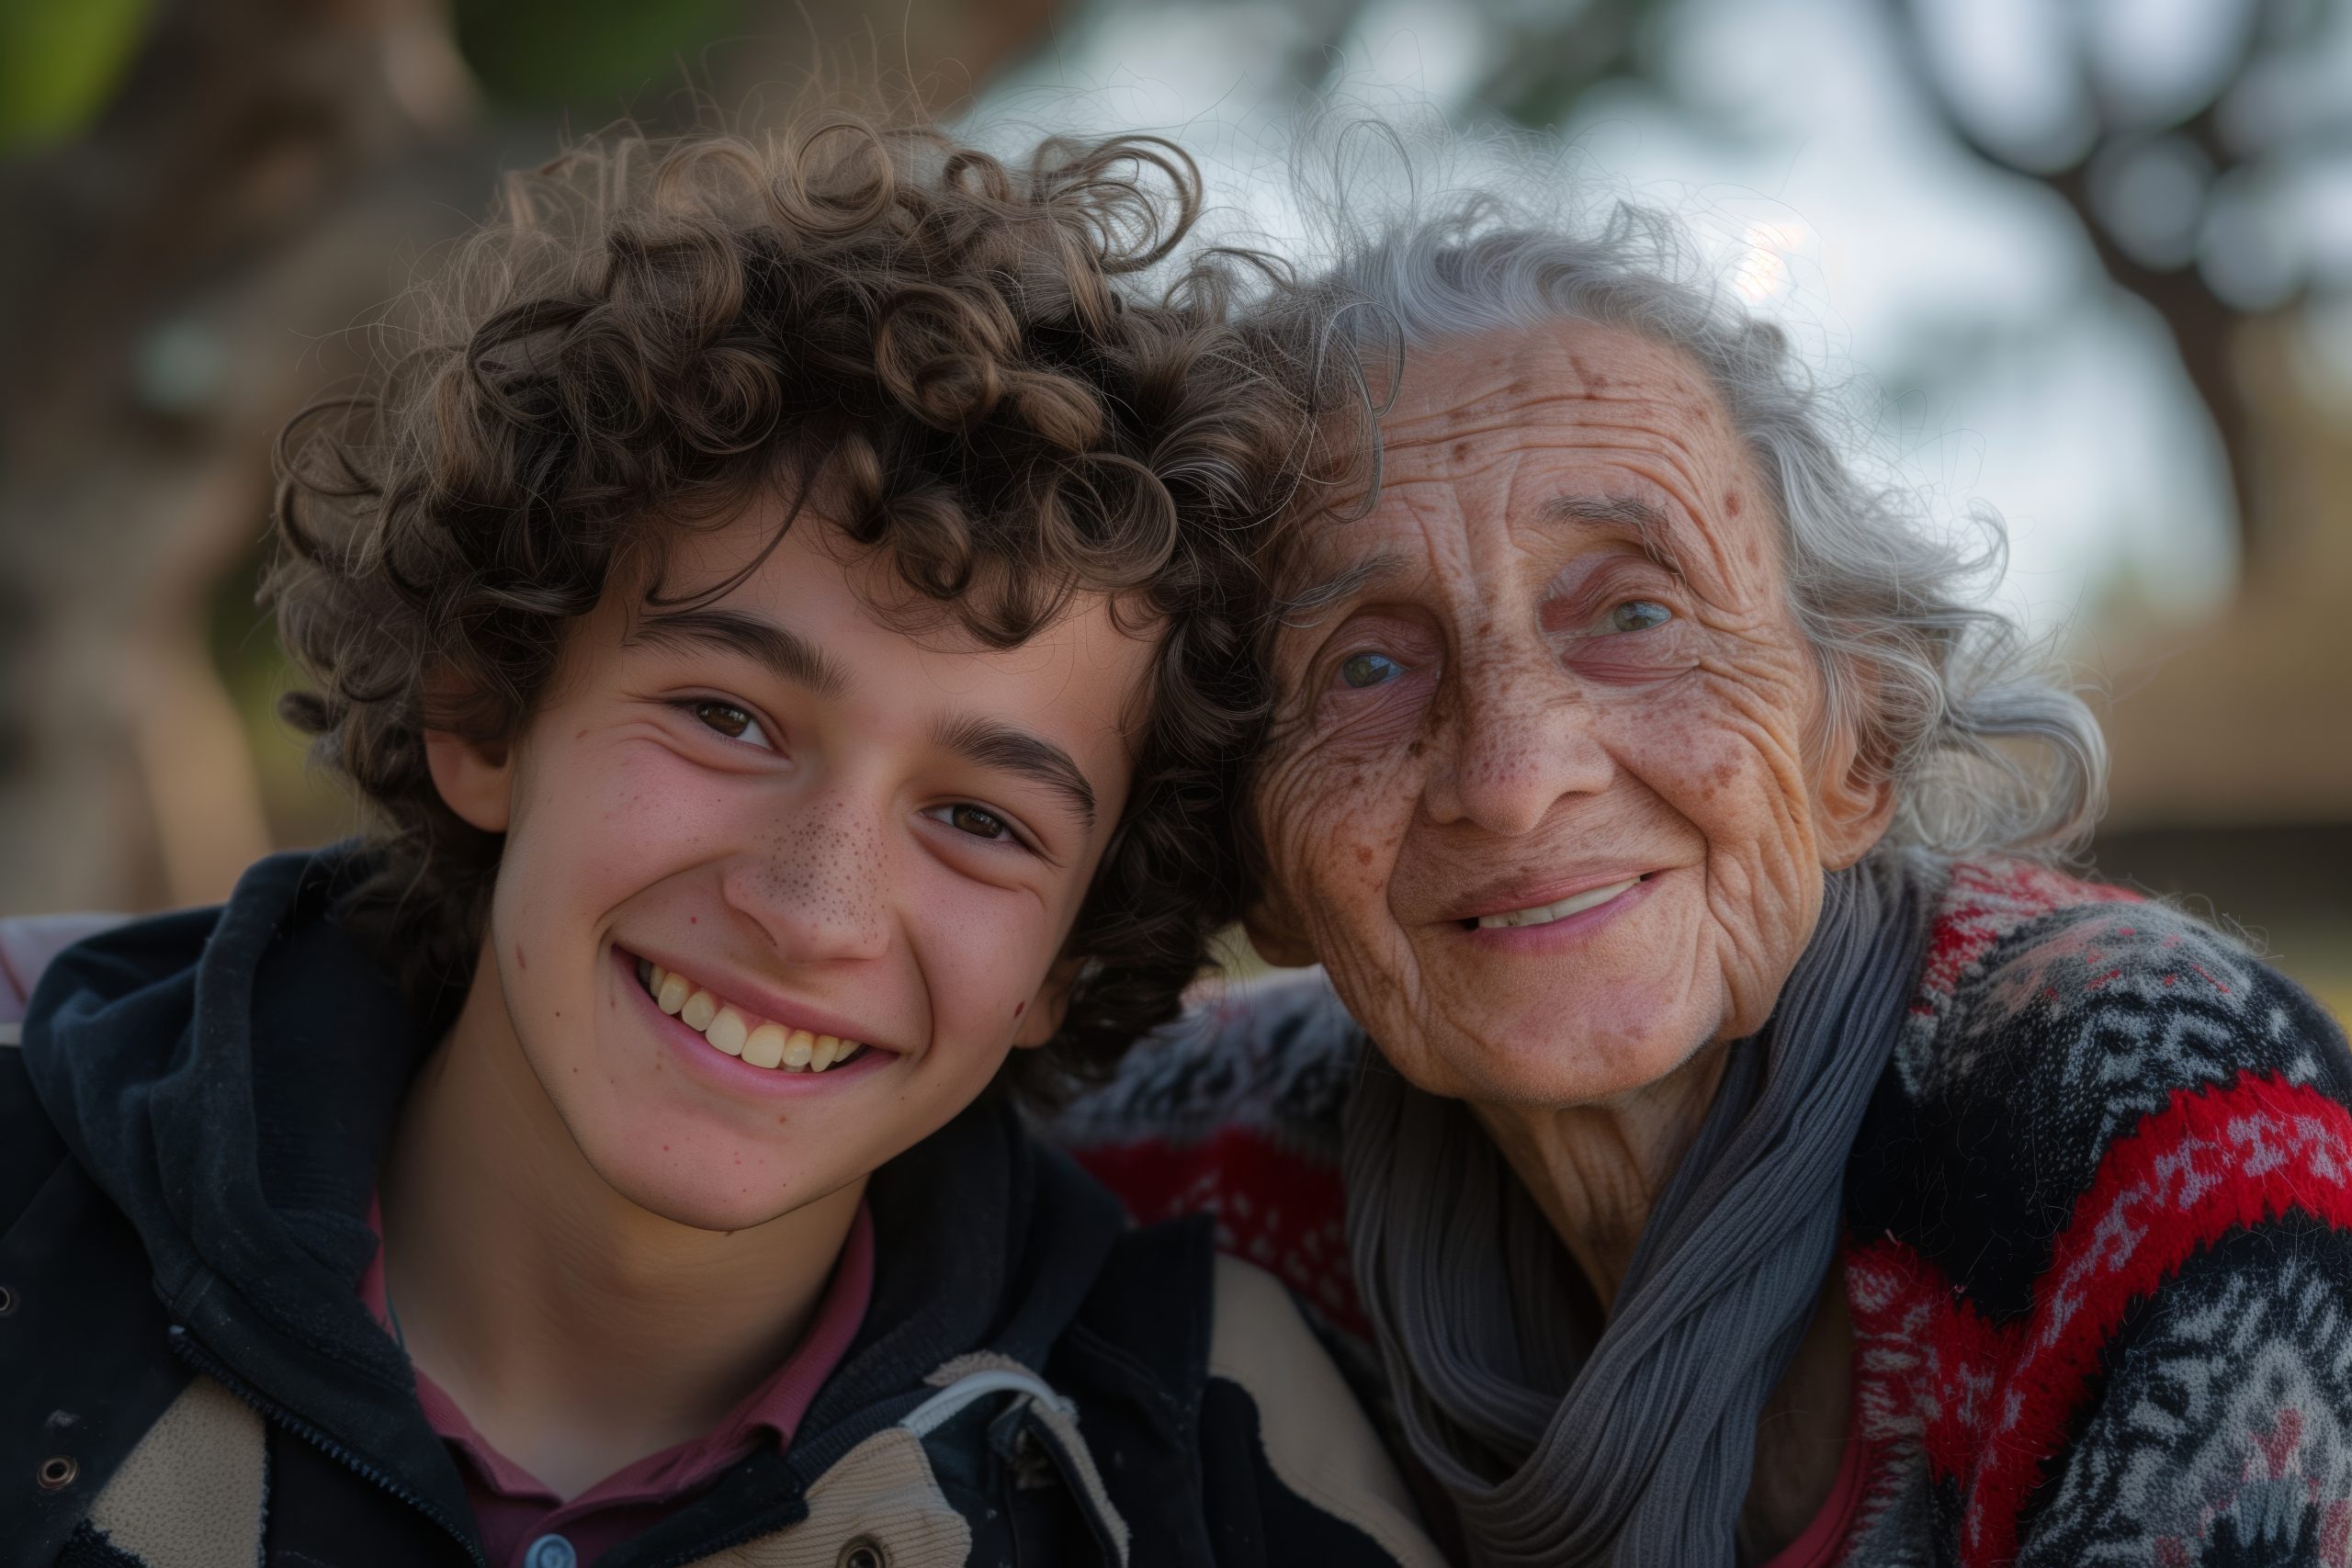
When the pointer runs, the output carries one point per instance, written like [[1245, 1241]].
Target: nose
[[1516, 739], [819, 886]]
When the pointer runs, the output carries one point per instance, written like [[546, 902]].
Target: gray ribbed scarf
[[1634, 1451]]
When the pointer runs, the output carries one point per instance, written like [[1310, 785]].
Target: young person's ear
[[1275, 930], [1042, 1015], [474, 778]]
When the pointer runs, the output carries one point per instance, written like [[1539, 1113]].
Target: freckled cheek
[[651, 813], [1723, 759]]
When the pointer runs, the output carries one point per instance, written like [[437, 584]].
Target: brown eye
[[733, 722], [977, 820], [725, 717]]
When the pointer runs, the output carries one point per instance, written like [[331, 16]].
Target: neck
[[577, 1330], [1597, 1171]]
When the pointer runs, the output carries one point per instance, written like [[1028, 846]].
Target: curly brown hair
[[651, 334]]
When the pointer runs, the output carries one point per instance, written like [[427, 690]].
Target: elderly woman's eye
[[1638, 616], [1363, 670]]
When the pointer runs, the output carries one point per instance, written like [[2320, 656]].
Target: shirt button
[[550, 1552]]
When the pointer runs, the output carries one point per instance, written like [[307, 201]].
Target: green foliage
[[598, 58], [60, 61]]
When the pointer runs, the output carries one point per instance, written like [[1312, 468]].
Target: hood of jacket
[[229, 1078]]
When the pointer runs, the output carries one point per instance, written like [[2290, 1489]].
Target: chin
[[705, 1200], [683, 1169], [1581, 1050]]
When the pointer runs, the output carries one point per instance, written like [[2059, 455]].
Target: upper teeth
[[1544, 914], [758, 1041]]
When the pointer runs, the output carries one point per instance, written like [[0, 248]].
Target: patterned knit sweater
[[2098, 1248]]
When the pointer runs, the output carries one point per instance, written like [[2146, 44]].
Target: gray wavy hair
[[1991, 747]]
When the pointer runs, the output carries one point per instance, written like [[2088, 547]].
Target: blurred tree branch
[[180, 279], [1550, 60], [2202, 322]]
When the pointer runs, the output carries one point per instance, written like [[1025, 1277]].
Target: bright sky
[[2021, 380]]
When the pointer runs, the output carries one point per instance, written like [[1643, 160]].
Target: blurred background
[[2095, 256]]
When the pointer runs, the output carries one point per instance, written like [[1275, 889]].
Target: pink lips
[[1517, 895], [1554, 936]]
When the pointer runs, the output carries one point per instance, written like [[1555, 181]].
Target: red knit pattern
[[1985, 902], [1991, 1407], [2075, 1057]]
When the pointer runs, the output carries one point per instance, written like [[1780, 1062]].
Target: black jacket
[[189, 1138]]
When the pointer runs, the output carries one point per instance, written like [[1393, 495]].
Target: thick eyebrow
[[988, 743], [1647, 523], [779, 649]]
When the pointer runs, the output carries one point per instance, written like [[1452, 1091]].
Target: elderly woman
[[1752, 1148]]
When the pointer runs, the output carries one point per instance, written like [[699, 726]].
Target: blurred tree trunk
[[2259, 684], [160, 277], [2203, 326], [176, 284]]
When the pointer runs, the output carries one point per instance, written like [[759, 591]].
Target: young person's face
[[835, 830]]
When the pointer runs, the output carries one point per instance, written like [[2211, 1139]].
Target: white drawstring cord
[[943, 1406]]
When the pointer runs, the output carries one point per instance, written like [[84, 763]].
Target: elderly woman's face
[[1552, 801]]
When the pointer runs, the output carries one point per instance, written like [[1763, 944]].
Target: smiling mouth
[[737, 1033], [1560, 910]]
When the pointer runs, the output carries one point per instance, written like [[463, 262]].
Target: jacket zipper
[[726, 1540], [204, 1361]]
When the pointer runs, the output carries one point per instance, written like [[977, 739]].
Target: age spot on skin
[[1733, 506]]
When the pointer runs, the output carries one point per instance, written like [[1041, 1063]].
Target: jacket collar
[[229, 1077]]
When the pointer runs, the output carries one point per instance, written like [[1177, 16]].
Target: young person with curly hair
[[787, 611]]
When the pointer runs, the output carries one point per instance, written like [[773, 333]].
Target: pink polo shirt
[[514, 1512]]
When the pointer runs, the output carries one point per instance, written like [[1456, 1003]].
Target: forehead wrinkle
[[1672, 467], [1650, 461], [1480, 415], [1665, 434]]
